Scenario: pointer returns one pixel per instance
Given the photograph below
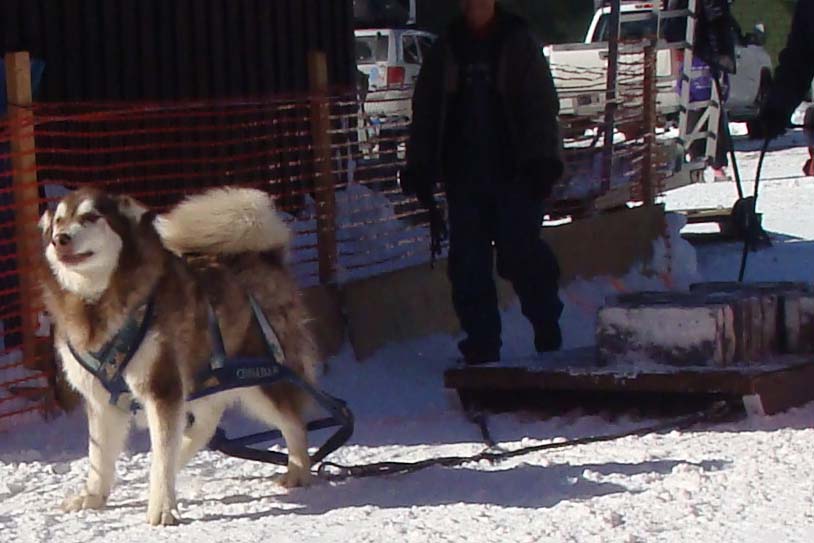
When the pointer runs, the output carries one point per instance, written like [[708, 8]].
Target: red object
[[395, 76]]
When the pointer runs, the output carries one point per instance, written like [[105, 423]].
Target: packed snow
[[745, 481]]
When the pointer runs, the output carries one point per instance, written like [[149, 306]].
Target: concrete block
[[607, 244], [397, 306], [327, 319], [679, 329]]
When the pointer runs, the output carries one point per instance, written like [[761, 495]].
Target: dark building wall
[[175, 49], [381, 12], [554, 21]]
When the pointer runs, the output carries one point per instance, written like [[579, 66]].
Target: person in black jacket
[[792, 77], [485, 123]]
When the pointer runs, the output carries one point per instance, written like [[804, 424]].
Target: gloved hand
[[438, 231], [413, 184]]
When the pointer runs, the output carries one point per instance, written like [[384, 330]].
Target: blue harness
[[109, 363]]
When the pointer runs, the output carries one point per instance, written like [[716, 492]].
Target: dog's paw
[[162, 517], [82, 501], [295, 477]]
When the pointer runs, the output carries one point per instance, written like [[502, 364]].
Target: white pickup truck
[[580, 69]]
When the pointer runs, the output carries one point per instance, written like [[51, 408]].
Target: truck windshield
[[371, 49], [629, 30]]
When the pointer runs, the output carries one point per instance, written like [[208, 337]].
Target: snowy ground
[[750, 481]]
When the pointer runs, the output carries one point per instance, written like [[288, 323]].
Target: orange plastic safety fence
[[161, 152]]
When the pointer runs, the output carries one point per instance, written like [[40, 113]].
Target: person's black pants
[[512, 220]]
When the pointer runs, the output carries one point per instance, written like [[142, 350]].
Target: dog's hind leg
[[107, 429], [286, 417], [201, 427], [165, 418]]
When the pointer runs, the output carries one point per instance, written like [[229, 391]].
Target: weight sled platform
[[574, 380]]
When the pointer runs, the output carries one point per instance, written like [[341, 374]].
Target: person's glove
[[412, 184]]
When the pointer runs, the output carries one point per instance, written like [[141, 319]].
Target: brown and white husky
[[106, 256]]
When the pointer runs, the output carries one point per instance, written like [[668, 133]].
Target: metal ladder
[[706, 126]]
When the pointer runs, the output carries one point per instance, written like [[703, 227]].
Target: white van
[[391, 58]]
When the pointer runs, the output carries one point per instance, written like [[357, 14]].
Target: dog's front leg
[[107, 433], [165, 420]]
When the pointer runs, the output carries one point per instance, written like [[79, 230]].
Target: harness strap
[[226, 372], [218, 358], [109, 363], [272, 341]]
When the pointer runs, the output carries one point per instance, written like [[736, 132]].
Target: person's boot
[[475, 353], [547, 337], [720, 175]]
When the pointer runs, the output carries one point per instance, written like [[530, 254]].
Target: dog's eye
[[90, 217]]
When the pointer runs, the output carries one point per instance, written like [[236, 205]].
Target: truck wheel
[[754, 128]]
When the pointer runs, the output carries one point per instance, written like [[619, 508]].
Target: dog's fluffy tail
[[224, 221]]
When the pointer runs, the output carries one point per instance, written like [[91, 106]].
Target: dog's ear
[[45, 221], [131, 209], [45, 224]]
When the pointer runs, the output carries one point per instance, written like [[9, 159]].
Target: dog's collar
[[108, 363]]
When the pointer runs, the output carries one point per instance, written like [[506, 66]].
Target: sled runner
[[109, 363]]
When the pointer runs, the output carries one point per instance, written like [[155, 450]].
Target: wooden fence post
[[611, 98], [649, 86], [26, 194], [324, 187]]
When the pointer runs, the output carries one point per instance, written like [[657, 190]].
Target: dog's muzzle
[[65, 251], [61, 240]]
